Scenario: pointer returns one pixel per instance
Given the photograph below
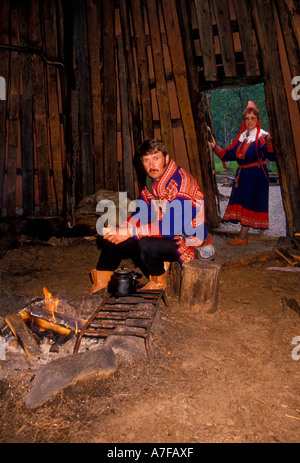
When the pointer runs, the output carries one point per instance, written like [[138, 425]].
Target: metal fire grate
[[124, 316]]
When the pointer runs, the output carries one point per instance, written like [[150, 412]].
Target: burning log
[[56, 321], [45, 315]]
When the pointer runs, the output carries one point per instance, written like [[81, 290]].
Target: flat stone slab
[[59, 373]]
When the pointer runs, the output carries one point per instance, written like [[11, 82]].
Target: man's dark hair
[[152, 146]]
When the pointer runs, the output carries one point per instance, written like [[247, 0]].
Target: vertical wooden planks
[[179, 72], [205, 162], [94, 43], [4, 71], [160, 79], [13, 117], [80, 40], [247, 37], [207, 45], [40, 117], [125, 124], [26, 113], [142, 65], [109, 96], [125, 18], [225, 37], [51, 50]]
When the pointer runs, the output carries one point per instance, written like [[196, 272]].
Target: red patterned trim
[[220, 152], [246, 217], [162, 182]]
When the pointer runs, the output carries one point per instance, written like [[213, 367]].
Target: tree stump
[[199, 286], [174, 280]]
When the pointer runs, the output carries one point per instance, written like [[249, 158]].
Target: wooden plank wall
[[86, 85]]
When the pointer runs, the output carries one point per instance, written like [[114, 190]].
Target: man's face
[[155, 164]]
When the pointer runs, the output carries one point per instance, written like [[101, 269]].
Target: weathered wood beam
[[263, 16]]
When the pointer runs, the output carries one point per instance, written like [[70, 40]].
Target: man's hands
[[116, 235]]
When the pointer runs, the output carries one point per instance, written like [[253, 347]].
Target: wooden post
[[280, 117], [199, 286]]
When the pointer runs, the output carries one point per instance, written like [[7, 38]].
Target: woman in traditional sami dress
[[249, 199]]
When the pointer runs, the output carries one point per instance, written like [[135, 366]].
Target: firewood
[[286, 255], [59, 323], [23, 334]]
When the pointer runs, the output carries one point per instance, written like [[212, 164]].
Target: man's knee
[[145, 246]]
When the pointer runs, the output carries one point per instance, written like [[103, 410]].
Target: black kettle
[[123, 282]]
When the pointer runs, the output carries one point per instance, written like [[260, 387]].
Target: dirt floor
[[231, 376]]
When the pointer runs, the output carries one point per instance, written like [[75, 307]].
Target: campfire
[[44, 319], [114, 327]]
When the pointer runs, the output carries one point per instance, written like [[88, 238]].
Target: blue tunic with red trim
[[172, 207], [249, 199]]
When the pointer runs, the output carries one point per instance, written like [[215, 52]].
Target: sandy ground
[[231, 376]]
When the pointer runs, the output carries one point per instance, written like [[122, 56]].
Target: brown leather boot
[[157, 282], [100, 279]]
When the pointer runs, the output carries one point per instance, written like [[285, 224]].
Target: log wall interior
[[86, 83]]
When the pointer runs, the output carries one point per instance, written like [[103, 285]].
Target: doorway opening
[[226, 106]]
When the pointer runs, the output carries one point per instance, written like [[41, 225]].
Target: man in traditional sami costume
[[249, 200], [167, 226]]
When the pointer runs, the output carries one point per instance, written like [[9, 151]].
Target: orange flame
[[50, 303]]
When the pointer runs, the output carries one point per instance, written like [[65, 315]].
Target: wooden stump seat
[[196, 284]]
